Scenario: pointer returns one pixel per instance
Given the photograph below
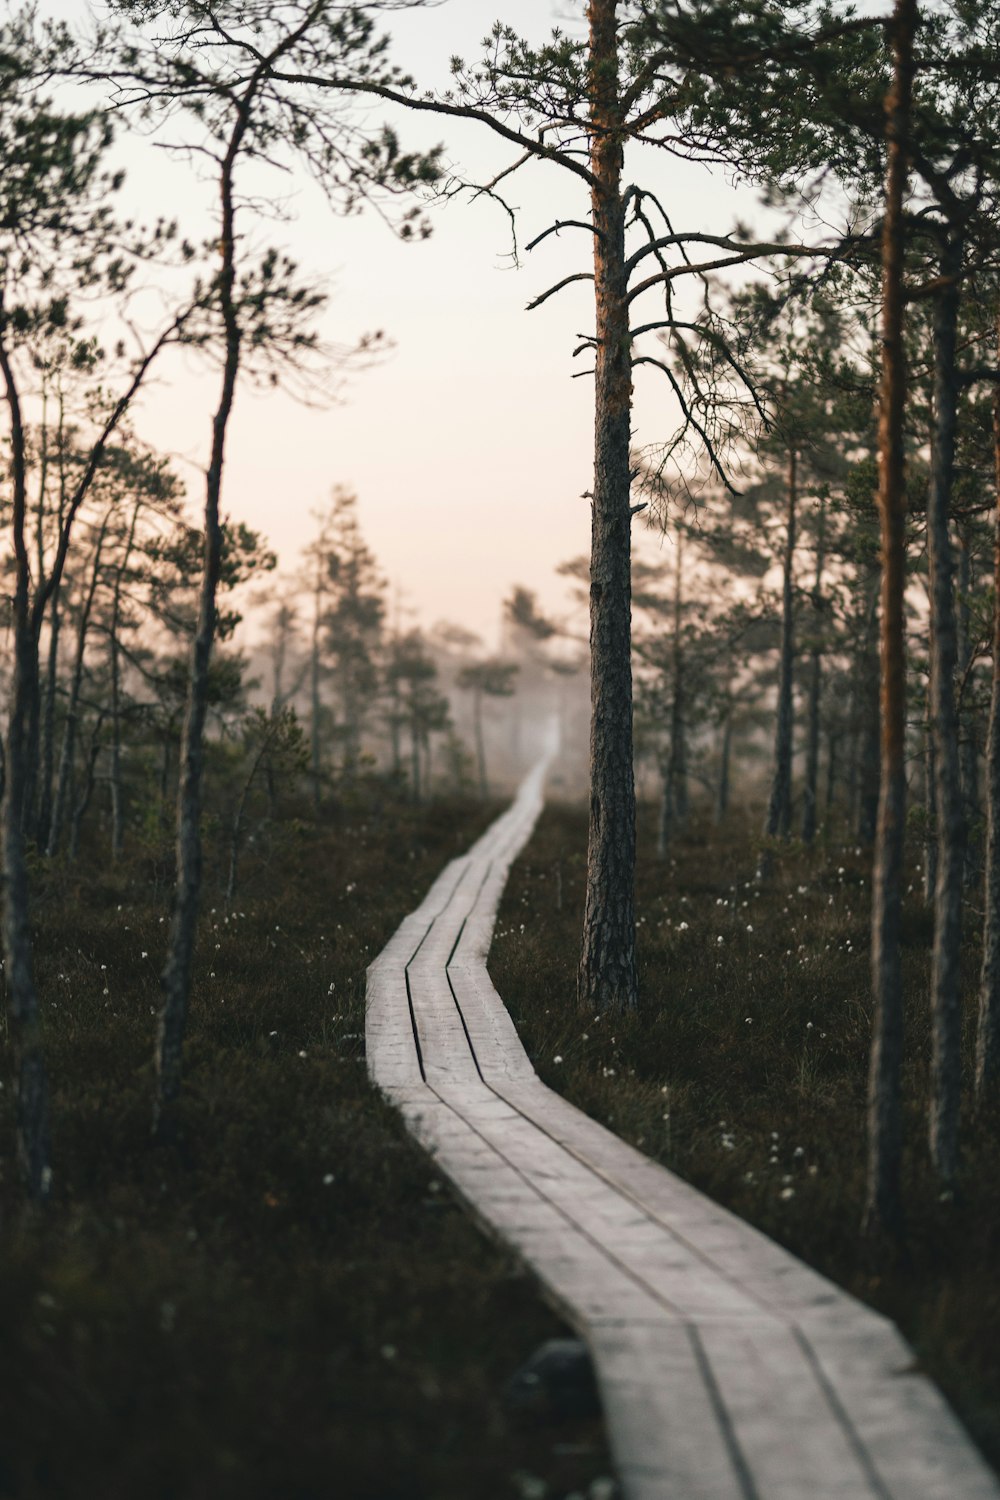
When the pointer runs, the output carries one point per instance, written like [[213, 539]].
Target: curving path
[[728, 1369]]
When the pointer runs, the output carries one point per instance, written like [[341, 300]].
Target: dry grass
[[293, 1308]]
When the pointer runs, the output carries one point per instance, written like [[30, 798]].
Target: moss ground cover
[[293, 1307]]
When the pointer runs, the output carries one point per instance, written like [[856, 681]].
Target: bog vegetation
[[823, 623]]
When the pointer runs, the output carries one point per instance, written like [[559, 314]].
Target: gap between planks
[[728, 1369]]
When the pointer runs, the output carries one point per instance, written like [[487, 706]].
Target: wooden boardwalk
[[728, 1369]]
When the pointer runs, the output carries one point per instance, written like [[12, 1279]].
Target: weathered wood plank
[[728, 1369]]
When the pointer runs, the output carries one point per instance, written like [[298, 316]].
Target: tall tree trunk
[[86, 796], [607, 978], [946, 1016], [930, 807], [832, 746], [47, 768], [175, 979], [988, 1029], [67, 757], [968, 739], [315, 705], [725, 759], [114, 662], [883, 1206], [415, 790], [811, 789], [477, 719], [23, 1018], [665, 822], [779, 807], [870, 727]]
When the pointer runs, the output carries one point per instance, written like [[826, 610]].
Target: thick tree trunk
[[810, 791], [883, 1206], [946, 1015], [779, 807], [988, 1029], [23, 1017], [607, 978]]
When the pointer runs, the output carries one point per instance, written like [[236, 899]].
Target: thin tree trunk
[[779, 807], [176, 977], [810, 792], [607, 978], [988, 1029], [477, 719], [314, 697], [665, 822], [86, 796], [415, 764], [930, 808], [23, 1018], [832, 746], [115, 774], [968, 744], [946, 1013], [869, 748], [725, 760], [67, 757], [883, 1205]]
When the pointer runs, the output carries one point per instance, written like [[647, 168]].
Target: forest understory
[[291, 1305], [745, 1068]]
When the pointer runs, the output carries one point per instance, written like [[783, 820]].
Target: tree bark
[[810, 792], [946, 1016], [988, 1028], [607, 978], [23, 1017], [175, 979], [883, 1206]]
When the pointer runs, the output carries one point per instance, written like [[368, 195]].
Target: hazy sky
[[470, 444]]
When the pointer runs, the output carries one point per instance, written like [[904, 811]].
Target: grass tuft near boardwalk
[[745, 1071], [293, 1307]]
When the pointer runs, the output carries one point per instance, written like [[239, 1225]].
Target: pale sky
[[470, 444]]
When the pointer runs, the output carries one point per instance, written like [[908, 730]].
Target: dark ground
[[294, 1308], [746, 1069]]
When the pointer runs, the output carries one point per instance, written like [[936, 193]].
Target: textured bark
[[810, 791], [607, 978], [48, 747], [988, 1028], [23, 1017], [946, 1015], [883, 1205], [779, 807]]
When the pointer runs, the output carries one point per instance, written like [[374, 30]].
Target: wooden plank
[[728, 1370]]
